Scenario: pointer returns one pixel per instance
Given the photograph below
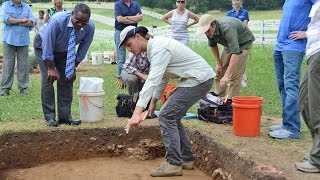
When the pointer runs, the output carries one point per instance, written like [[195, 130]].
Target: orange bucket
[[247, 112], [166, 90]]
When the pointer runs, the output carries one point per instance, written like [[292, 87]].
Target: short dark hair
[[85, 9], [41, 11], [143, 31]]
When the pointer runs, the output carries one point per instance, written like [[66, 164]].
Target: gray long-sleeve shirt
[[171, 59]]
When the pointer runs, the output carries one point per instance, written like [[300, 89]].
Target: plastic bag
[[91, 84]]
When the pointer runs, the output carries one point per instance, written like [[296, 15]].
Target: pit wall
[[212, 156], [29, 149]]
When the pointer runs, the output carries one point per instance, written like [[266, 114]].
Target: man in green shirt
[[237, 41]]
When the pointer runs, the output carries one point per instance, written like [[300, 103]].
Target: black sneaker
[[24, 91], [4, 92], [69, 121], [52, 123]]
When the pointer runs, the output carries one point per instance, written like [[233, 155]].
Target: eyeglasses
[[78, 21], [180, 2]]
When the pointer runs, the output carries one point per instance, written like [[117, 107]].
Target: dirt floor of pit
[[98, 168]]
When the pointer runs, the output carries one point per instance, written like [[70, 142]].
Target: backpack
[[215, 109], [125, 106]]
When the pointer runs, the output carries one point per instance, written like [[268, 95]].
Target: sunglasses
[[180, 1]]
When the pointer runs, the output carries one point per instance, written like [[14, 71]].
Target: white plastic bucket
[[96, 58], [110, 56], [91, 106]]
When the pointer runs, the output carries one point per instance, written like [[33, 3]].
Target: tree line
[[199, 6]]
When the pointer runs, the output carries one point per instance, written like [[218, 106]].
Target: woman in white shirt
[[180, 21]]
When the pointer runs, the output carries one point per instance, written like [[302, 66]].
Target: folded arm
[[130, 19]]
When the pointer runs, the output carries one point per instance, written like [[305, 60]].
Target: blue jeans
[[287, 66], [121, 52]]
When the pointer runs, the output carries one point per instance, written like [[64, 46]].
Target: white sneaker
[[244, 83], [284, 134], [275, 127], [306, 166]]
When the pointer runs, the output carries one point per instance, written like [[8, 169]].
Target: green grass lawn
[[103, 12], [100, 25], [260, 71], [254, 15]]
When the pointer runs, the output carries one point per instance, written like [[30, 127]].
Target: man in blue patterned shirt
[[51, 46]]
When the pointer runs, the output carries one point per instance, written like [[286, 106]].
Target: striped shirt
[[179, 30], [313, 32], [138, 63], [170, 59]]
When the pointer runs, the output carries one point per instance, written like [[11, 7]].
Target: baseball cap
[[204, 23], [126, 33]]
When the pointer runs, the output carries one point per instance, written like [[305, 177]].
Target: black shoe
[[52, 123], [4, 92], [69, 121], [24, 91]]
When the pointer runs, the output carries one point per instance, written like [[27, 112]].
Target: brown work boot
[[189, 165], [165, 170]]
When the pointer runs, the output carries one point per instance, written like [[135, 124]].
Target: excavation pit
[[109, 153]]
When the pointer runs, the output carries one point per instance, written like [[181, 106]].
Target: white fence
[[265, 31]]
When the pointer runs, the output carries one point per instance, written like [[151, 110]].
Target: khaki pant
[[309, 103], [11, 54], [233, 88]]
